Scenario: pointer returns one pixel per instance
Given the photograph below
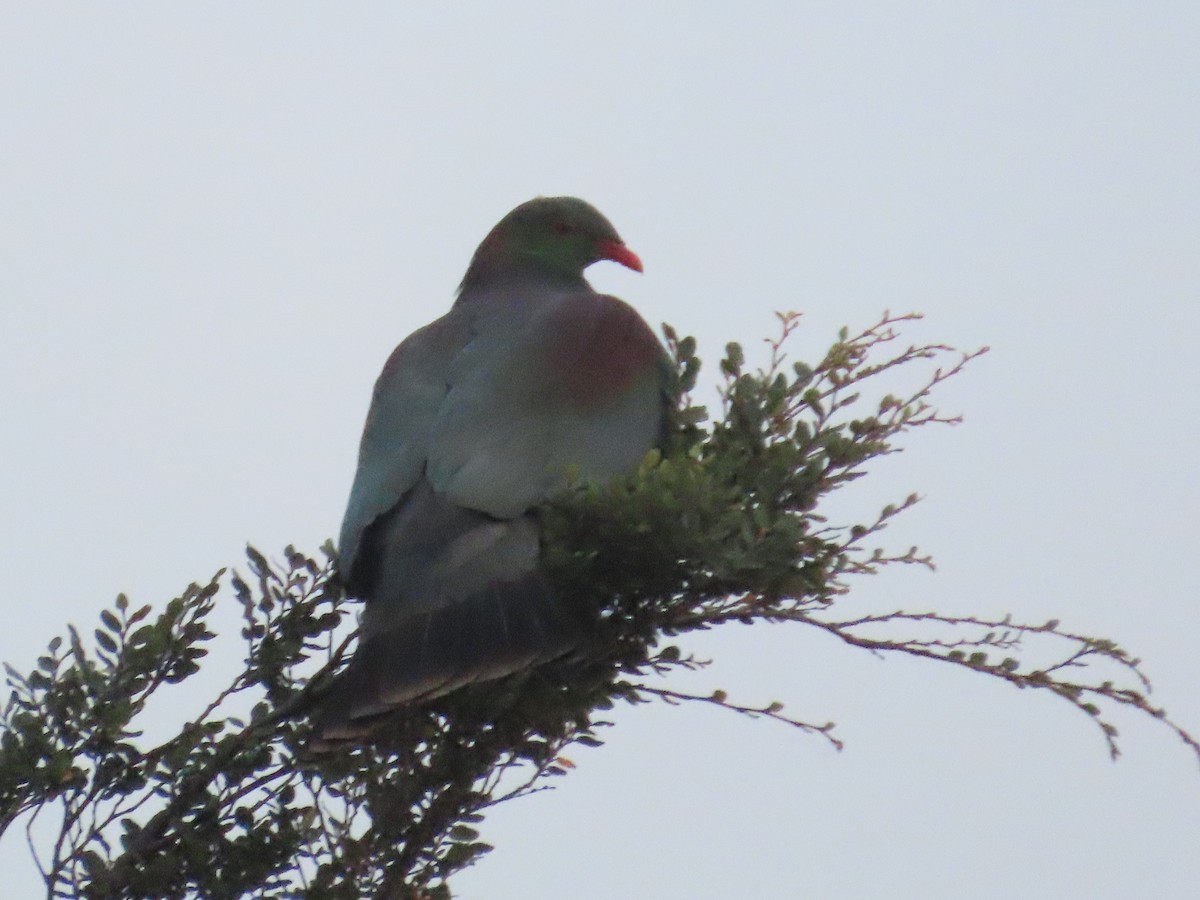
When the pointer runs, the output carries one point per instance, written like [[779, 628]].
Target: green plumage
[[531, 378]]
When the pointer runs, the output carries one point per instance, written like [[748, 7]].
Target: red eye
[[562, 228]]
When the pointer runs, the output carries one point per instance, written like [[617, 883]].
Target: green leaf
[[463, 833], [105, 641]]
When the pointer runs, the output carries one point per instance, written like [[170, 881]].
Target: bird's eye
[[562, 228]]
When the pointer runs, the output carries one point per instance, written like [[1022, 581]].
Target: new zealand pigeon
[[531, 379]]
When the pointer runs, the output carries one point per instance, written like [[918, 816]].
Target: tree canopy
[[727, 524]]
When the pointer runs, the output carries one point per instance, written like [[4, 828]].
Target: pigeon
[[531, 382]]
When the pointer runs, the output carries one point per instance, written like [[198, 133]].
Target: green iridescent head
[[559, 236]]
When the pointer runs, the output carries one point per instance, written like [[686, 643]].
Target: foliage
[[726, 525]]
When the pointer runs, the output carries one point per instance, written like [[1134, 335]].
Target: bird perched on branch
[[530, 379]]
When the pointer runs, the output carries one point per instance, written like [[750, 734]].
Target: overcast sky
[[217, 219]]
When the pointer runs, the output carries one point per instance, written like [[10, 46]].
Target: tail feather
[[494, 632]]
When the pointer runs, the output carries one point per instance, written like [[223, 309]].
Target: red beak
[[619, 253]]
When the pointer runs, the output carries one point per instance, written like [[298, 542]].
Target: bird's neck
[[501, 261], [486, 276]]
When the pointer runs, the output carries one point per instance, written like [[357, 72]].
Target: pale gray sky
[[217, 219]]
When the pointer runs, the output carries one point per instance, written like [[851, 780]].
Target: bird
[[532, 381]]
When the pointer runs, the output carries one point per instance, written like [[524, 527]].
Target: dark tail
[[497, 631]]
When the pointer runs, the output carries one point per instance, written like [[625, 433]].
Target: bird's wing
[[406, 401]]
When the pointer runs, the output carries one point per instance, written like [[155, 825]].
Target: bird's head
[[558, 236]]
